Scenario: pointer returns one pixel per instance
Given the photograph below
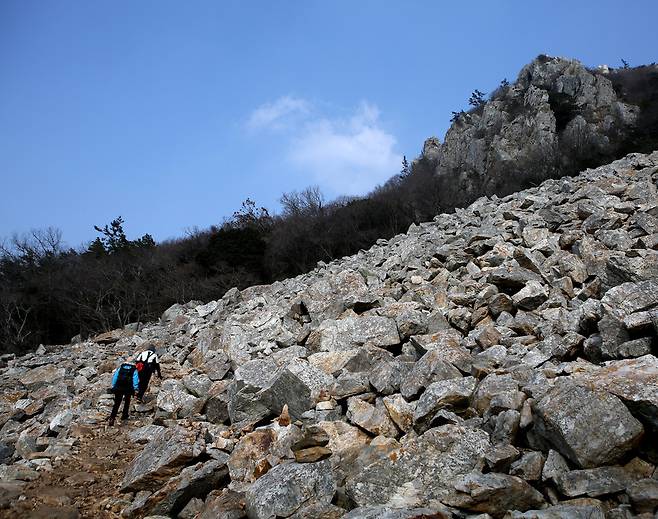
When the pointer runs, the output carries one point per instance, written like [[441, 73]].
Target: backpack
[[142, 364], [125, 378]]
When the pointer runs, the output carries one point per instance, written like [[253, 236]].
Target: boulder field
[[497, 362]]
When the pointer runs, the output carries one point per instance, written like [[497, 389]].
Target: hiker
[[147, 363], [125, 384]]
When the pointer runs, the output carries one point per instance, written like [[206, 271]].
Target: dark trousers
[[144, 378], [118, 396]]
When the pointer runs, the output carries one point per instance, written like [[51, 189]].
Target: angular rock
[[529, 467], [576, 511], [400, 411], [532, 295], [386, 376], [197, 385], [374, 419], [174, 400], [644, 495], [246, 403], [635, 381], [590, 428], [42, 376], [448, 394], [432, 367], [494, 494], [345, 334], [290, 489], [299, 386], [422, 470], [162, 458], [594, 482], [61, 421], [554, 467], [503, 390], [145, 434], [193, 482], [224, 504], [386, 512], [511, 277], [248, 459]]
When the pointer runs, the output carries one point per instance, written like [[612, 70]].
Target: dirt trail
[[85, 484]]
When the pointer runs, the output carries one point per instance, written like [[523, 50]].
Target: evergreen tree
[[477, 98], [406, 169]]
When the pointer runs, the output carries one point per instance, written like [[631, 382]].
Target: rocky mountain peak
[[555, 119]]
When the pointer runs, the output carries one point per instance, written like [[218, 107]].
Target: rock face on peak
[[557, 118], [498, 361]]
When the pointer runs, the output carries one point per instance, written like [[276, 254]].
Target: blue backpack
[[124, 381]]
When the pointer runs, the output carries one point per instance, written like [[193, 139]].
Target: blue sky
[[171, 113]]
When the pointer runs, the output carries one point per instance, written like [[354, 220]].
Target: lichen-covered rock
[[445, 394], [560, 511], [372, 418], [420, 471], [290, 489], [644, 495], [174, 400], [42, 376], [193, 482], [162, 458], [594, 482], [246, 401], [493, 493], [431, 367], [384, 512], [590, 428], [345, 334], [634, 381]]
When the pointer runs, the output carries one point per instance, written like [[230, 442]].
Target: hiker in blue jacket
[[125, 383]]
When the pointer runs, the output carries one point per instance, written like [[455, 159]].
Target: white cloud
[[343, 155], [275, 115], [348, 157]]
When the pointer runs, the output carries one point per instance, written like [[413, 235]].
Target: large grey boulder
[[431, 367], [348, 333], [494, 494], [299, 385], [245, 403], [644, 495], [41, 376], [594, 482], [590, 428], [452, 394], [262, 389], [373, 418], [576, 511], [174, 400], [193, 482], [162, 458], [420, 471], [624, 306], [634, 381], [289, 489], [385, 512]]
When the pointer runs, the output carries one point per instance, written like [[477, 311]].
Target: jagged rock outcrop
[[500, 360], [555, 119]]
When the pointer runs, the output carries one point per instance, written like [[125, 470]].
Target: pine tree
[[406, 169], [477, 98]]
